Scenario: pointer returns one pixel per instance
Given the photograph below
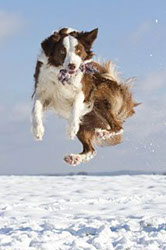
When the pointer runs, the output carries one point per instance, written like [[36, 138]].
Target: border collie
[[85, 93]]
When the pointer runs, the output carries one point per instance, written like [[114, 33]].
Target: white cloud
[[150, 117], [10, 24], [19, 112]]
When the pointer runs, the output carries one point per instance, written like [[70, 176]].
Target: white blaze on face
[[70, 43]]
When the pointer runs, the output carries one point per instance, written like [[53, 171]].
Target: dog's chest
[[60, 97]]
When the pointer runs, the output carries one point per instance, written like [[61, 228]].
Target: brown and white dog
[[88, 95]]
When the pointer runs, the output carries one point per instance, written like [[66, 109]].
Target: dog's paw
[[88, 156], [72, 130], [38, 132], [104, 134], [73, 159], [76, 159]]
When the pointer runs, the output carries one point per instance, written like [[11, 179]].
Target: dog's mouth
[[65, 75], [71, 72]]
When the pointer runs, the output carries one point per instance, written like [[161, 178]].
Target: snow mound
[[83, 212]]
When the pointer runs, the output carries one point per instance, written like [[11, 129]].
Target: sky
[[132, 34]]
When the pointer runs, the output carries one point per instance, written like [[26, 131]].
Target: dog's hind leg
[[106, 134], [86, 138]]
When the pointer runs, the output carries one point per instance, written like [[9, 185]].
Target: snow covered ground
[[83, 212]]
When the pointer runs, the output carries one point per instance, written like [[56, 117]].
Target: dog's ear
[[56, 36], [88, 37], [74, 34], [49, 42], [46, 46]]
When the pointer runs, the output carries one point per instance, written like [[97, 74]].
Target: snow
[[83, 212]]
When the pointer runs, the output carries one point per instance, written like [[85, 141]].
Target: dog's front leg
[[37, 123], [75, 119]]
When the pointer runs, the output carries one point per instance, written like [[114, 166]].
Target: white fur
[[76, 159], [69, 30], [65, 100], [111, 71], [105, 134], [78, 108], [70, 43], [38, 129]]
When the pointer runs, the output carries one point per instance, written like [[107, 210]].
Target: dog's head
[[69, 49]]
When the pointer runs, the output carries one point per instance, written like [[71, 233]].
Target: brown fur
[[54, 49], [53, 45], [86, 39], [112, 100], [113, 104], [56, 52], [80, 51], [36, 75]]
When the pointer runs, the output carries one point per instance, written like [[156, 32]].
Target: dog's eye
[[78, 51], [62, 52]]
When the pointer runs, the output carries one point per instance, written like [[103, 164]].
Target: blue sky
[[132, 34]]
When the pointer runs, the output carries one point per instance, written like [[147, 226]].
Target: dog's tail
[[122, 103], [110, 71]]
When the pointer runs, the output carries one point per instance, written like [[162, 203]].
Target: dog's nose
[[71, 66]]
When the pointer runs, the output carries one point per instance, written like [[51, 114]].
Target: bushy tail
[[122, 102]]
